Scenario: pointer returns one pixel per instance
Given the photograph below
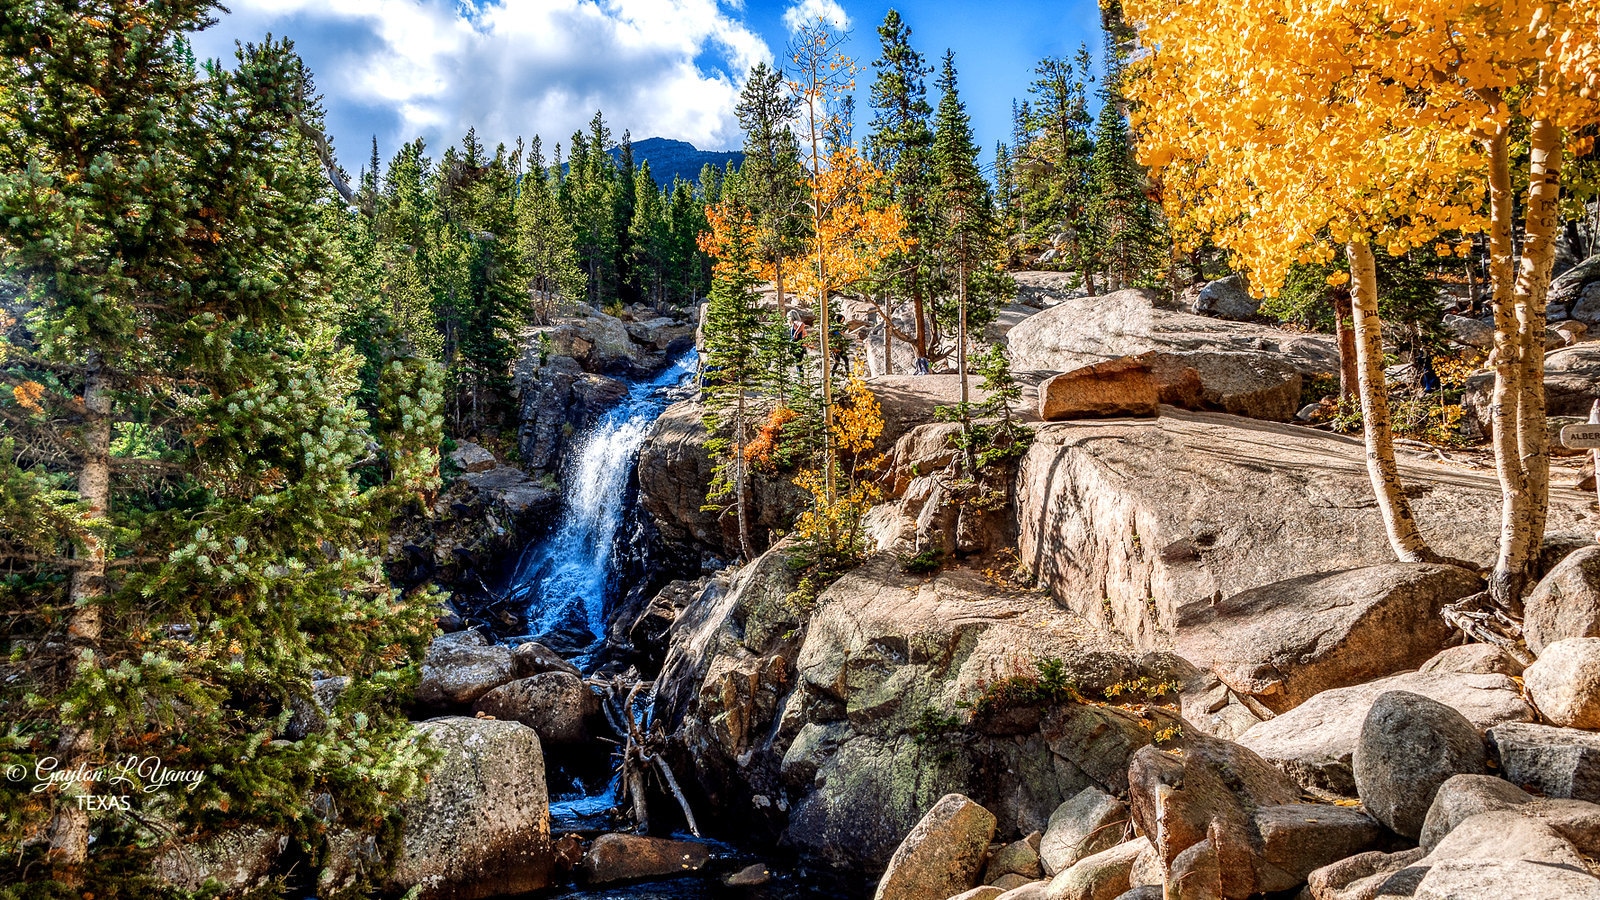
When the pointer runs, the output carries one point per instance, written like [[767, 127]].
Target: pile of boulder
[[1467, 776]]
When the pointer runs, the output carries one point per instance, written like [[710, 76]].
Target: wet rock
[[749, 876], [1088, 823], [481, 825], [1286, 641], [1566, 602], [630, 857], [1555, 762], [461, 667], [558, 705], [1409, 746], [1117, 387], [1101, 876], [1473, 659], [236, 861], [1464, 796], [533, 658], [1315, 742], [1125, 522], [942, 856]]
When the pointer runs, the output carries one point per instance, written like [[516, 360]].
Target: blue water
[[567, 582]]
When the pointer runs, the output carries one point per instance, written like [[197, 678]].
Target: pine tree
[[548, 259], [1125, 225], [180, 510], [971, 246], [771, 176], [901, 143], [734, 364], [1053, 159]]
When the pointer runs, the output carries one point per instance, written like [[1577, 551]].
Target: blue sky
[[399, 69]]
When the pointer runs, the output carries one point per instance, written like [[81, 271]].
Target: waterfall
[[566, 580]]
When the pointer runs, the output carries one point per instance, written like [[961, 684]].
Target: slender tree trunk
[[69, 829], [1505, 399], [921, 314], [888, 335], [1542, 228], [777, 279], [1594, 455], [1349, 377], [961, 362], [739, 477], [1404, 535], [829, 475]]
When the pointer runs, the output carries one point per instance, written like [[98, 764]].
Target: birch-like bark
[[1398, 522], [1505, 399], [69, 828], [1541, 230]]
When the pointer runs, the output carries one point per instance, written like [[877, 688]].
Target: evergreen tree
[[650, 236], [733, 362], [180, 511], [548, 259], [970, 243], [1053, 161], [623, 198], [772, 180], [1125, 225], [901, 144]]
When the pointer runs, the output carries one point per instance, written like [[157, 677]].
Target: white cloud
[[806, 12], [431, 68]]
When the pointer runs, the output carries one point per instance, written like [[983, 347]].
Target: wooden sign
[[1581, 437]]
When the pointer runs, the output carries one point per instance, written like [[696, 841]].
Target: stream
[[567, 584]]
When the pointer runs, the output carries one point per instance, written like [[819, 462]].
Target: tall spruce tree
[[970, 241], [1125, 226], [180, 511], [901, 144], [545, 245], [1053, 162], [734, 363], [773, 182]]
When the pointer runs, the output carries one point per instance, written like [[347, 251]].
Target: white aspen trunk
[[1398, 521], [69, 828], [1594, 455], [1505, 400], [829, 476], [1542, 229]]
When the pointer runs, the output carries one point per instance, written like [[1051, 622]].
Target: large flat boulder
[[1283, 642], [1116, 387], [1243, 368], [481, 825], [1556, 762], [1126, 522], [1315, 742]]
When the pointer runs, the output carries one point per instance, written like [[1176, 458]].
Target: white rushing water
[[566, 580]]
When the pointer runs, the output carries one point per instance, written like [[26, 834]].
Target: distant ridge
[[681, 159]]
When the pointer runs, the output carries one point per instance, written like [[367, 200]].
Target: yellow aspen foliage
[[831, 528], [855, 234]]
